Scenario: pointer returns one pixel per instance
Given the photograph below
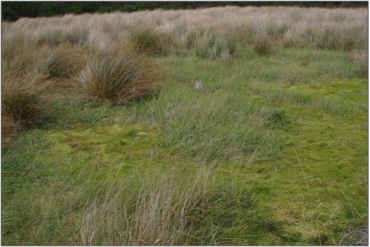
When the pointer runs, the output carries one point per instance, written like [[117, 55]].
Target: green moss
[[102, 147]]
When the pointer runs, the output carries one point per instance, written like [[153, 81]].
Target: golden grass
[[310, 26], [118, 77], [24, 98]]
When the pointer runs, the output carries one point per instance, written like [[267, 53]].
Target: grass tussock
[[361, 61], [117, 77], [24, 99], [151, 212], [147, 41], [223, 48], [8, 130], [263, 46], [64, 62]]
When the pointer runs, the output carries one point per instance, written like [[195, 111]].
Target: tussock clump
[[8, 130], [49, 36], [65, 62], [119, 78], [360, 59], [147, 41], [224, 48], [263, 46], [24, 99]]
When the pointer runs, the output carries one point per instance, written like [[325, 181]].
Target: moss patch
[[101, 147]]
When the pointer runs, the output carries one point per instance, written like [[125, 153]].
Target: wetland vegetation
[[220, 126]]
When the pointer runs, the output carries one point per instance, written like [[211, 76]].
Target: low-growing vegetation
[[219, 126]]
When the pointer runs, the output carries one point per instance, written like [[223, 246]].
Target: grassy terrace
[[222, 126]]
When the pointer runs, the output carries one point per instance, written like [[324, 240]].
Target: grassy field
[[222, 126]]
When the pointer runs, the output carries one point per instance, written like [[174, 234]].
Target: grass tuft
[[24, 99], [263, 46], [147, 41], [64, 62], [119, 78], [360, 60], [8, 130]]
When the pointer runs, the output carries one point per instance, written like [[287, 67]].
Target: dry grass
[[24, 98], [360, 59], [121, 78], [263, 45], [151, 212], [8, 130], [344, 29], [356, 236], [147, 41]]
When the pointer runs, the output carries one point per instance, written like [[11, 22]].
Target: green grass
[[273, 151]]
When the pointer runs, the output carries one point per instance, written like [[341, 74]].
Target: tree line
[[12, 11]]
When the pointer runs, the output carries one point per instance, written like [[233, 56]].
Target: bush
[[119, 78]]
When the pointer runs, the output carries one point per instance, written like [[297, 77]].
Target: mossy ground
[[310, 191]]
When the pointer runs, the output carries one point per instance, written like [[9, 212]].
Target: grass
[[120, 78], [147, 41], [360, 59], [218, 143], [263, 46], [24, 99]]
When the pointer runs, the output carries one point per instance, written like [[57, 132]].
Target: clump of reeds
[[121, 77]]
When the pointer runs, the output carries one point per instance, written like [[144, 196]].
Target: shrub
[[119, 78], [24, 99]]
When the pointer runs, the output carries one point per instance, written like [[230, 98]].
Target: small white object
[[198, 85]]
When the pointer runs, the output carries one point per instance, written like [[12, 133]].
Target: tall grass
[[120, 78], [342, 29], [361, 60], [81, 206], [24, 99], [263, 46], [147, 41], [210, 127]]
